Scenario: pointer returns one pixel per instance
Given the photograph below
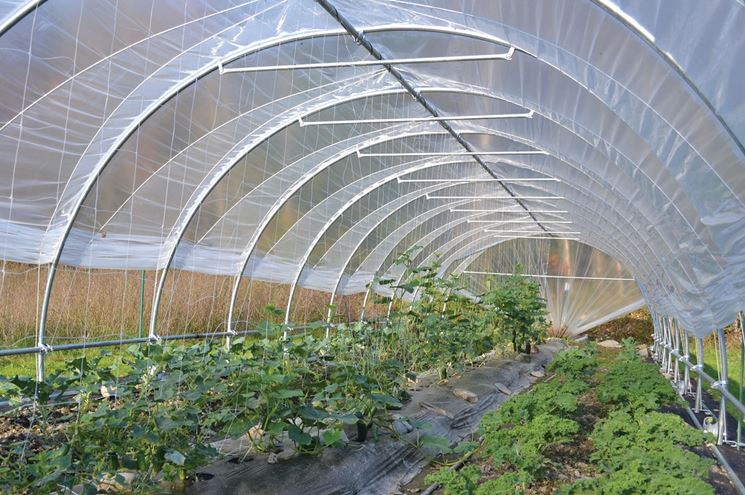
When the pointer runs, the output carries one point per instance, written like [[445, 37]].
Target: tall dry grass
[[90, 304]]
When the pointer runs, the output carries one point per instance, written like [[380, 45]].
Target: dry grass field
[[91, 304]]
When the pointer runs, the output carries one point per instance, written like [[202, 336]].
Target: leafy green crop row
[[172, 400], [597, 413], [149, 416]]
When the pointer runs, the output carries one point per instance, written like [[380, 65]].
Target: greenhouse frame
[[171, 167]]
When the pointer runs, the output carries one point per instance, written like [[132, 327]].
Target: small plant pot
[[362, 430]]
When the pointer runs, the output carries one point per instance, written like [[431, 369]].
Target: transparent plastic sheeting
[[125, 146], [584, 287]]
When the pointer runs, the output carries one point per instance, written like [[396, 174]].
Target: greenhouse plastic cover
[[126, 145]]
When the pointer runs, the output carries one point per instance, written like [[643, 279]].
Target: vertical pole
[[699, 366], [722, 426], [393, 296], [40, 362], [687, 355], [142, 304], [742, 376], [364, 300], [662, 344], [663, 330], [666, 347], [676, 339], [41, 331], [671, 345]]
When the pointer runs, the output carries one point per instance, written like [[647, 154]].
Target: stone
[[285, 454], [537, 374], [108, 391], [436, 410], [503, 388], [110, 482], [642, 350], [466, 395], [610, 344], [401, 424], [272, 458], [255, 432]]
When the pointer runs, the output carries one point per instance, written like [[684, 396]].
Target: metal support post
[[686, 361], [676, 344], [742, 376], [700, 367], [722, 383]]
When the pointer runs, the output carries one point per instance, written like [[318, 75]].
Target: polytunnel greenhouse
[[385, 247]]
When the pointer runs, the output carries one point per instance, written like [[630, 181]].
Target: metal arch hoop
[[287, 313], [440, 231], [265, 221], [211, 67], [185, 83], [267, 218], [454, 224], [19, 14], [415, 221], [338, 214], [50, 280], [364, 237], [675, 67]]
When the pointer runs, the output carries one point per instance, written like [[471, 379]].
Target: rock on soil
[[466, 395], [610, 344], [503, 388]]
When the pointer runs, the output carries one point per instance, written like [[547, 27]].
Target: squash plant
[[445, 329], [148, 415]]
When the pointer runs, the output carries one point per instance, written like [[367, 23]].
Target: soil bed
[[386, 461], [574, 461]]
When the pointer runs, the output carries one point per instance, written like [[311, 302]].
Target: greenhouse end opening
[[383, 247]]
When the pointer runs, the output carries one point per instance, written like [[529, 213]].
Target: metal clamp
[[720, 385], [697, 367], [46, 348]]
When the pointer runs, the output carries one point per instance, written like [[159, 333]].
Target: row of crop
[[594, 428], [148, 416]]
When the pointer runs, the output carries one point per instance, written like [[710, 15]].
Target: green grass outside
[[734, 380], [25, 365]]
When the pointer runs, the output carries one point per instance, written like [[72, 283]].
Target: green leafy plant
[[632, 448], [576, 362], [461, 482], [633, 385], [646, 453], [520, 309]]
